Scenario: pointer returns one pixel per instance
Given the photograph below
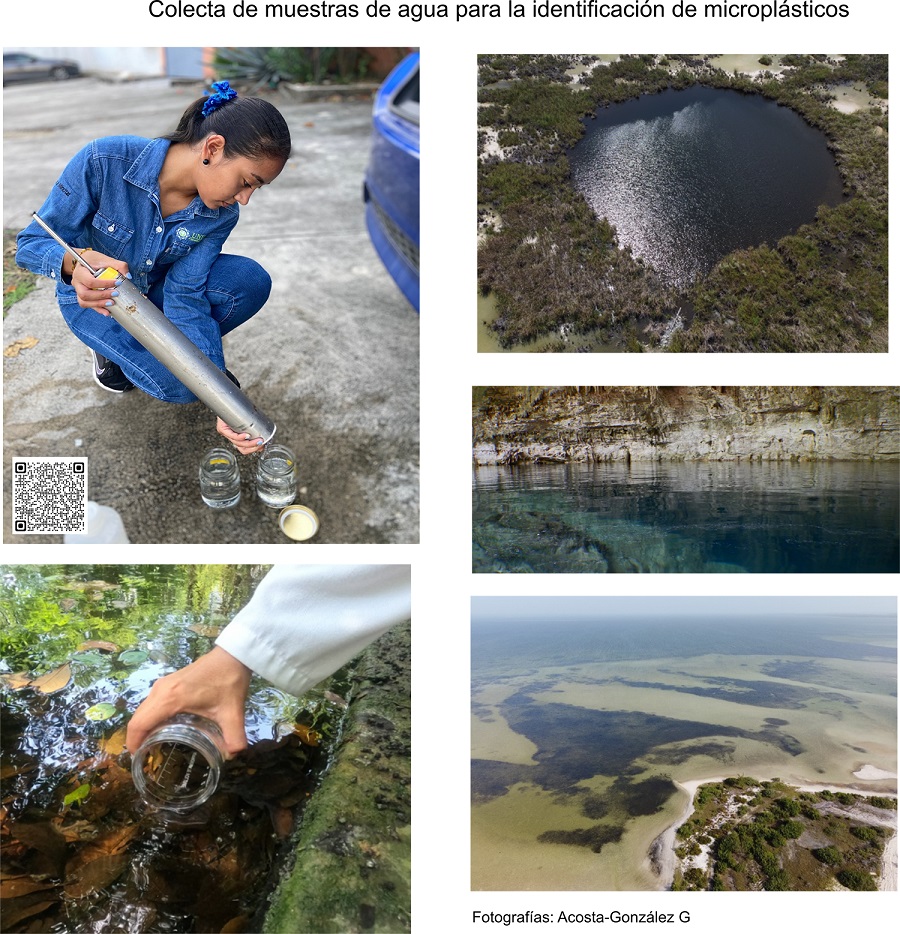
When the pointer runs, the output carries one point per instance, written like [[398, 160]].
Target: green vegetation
[[768, 835], [47, 612], [17, 282], [270, 66], [555, 268]]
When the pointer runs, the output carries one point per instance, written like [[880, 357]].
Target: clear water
[[220, 485], [118, 865], [693, 517], [689, 176], [276, 486]]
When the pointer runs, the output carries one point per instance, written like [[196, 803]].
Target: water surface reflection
[[687, 517], [687, 177]]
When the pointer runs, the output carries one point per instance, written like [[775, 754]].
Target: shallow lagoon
[[615, 710], [770, 517]]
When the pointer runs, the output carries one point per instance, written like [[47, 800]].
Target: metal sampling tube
[[155, 332]]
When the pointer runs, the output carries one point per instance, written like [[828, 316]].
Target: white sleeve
[[305, 621]]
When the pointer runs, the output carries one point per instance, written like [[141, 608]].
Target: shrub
[[830, 855], [868, 834], [857, 880]]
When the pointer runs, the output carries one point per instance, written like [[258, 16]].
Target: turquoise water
[[812, 517]]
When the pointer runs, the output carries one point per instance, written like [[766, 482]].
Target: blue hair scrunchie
[[221, 93]]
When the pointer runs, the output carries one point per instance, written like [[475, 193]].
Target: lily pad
[[133, 657], [100, 712]]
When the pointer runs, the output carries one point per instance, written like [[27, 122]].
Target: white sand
[[869, 773], [888, 880]]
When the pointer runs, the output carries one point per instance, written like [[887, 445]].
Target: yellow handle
[[109, 273]]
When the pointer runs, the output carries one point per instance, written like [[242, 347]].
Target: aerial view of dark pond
[[728, 516], [80, 646], [687, 177]]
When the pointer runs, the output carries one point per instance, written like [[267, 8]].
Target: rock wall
[[352, 867], [519, 424]]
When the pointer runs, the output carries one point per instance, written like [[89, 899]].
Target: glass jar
[[177, 767], [276, 476], [220, 479]]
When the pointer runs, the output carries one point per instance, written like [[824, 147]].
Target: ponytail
[[250, 126]]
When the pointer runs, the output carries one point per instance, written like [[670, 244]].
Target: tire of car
[[59, 73]]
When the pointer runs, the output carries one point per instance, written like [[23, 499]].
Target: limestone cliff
[[513, 424]]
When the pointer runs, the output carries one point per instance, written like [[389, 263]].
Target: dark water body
[[687, 177], [687, 517]]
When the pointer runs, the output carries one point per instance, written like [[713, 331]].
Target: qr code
[[49, 495]]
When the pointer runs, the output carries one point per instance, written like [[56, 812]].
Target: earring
[[206, 161]]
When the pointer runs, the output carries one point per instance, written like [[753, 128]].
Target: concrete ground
[[333, 358]]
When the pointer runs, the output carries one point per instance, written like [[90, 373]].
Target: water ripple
[[689, 176]]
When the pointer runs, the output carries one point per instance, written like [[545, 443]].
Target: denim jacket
[[107, 198]]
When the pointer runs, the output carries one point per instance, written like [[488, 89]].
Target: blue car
[[391, 187]]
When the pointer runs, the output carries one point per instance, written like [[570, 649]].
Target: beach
[[664, 858]]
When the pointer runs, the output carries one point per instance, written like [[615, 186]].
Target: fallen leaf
[[25, 343], [79, 794], [111, 844], [79, 831], [96, 874], [98, 644], [308, 736], [236, 925], [133, 657], [18, 909], [22, 885], [46, 839], [54, 680], [17, 680], [115, 744], [282, 821]]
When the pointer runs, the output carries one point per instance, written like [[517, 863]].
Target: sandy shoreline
[[663, 848]]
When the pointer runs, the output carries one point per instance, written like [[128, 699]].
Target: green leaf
[[79, 794], [100, 712], [133, 657]]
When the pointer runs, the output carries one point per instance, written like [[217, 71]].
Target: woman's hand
[[92, 292], [240, 439], [215, 686]]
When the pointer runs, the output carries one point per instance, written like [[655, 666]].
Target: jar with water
[[177, 767], [276, 476], [220, 479]]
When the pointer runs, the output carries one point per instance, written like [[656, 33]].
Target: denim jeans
[[236, 289]]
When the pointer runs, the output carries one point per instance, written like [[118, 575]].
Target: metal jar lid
[[298, 522]]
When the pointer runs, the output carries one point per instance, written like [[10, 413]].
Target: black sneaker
[[109, 375]]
